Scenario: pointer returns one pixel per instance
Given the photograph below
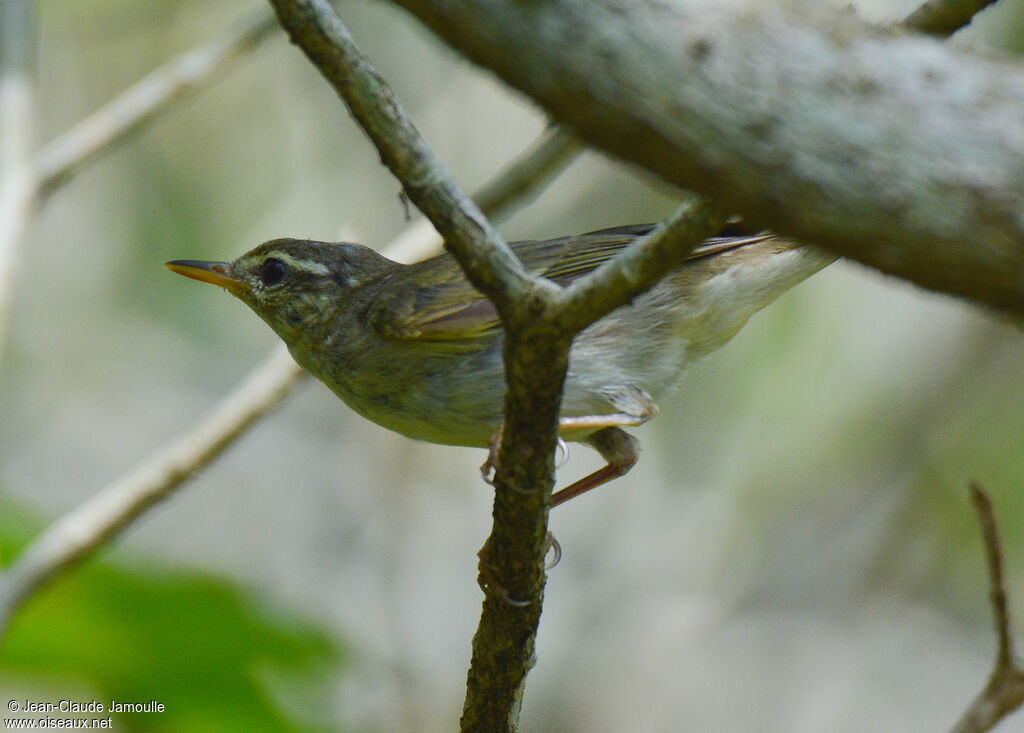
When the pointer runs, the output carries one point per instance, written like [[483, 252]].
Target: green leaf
[[212, 653]]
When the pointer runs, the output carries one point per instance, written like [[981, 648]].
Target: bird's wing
[[449, 309], [453, 310]]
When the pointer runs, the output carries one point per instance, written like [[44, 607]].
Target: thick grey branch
[[884, 146]]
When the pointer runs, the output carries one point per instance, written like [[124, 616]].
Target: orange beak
[[216, 273]]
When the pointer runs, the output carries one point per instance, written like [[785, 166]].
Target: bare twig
[[82, 530], [982, 503], [85, 529], [1004, 691], [513, 188], [142, 102], [539, 324], [25, 182], [945, 17], [17, 178], [486, 259], [516, 185]]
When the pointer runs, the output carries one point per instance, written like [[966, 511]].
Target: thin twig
[[539, 325], [640, 265], [79, 532], [514, 187], [486, 259], [26, 182], [993, 555], [545, 159], [85, 529], [945, 17], [140, 103], [17, 178], [1004, 691]]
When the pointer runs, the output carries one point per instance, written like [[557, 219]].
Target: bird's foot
[[490, 466], [490, 584]]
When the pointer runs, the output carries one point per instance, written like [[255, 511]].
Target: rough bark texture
[[885, 146]]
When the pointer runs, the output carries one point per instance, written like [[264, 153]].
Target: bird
[[417, 349]]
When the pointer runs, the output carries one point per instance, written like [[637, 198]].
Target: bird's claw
[[490, 466], [489, 584], [562, 456], [556, 552]]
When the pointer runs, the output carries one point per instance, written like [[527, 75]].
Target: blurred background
[[794, 552]]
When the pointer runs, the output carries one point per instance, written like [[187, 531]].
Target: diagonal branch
[[25, 182], [517, 184], [639, 267], [141, 103], [487, 260], [80, 532], [945, 17], [514, 187], [890, 148], [87, 528]]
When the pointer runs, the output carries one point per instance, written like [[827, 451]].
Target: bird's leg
[[490, 466], [616, 446]]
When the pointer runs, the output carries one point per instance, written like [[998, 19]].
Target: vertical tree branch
[[1004, 691], [538, 333], [17, 176]]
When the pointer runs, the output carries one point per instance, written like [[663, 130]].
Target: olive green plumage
[[417, 349]]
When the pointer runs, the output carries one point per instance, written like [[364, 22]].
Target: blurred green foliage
[[211, 652]]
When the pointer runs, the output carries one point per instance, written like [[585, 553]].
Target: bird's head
[[293, 284]]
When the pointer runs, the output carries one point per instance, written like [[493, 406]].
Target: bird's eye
[[273, 271]]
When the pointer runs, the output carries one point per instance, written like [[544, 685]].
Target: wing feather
[[451, 310]]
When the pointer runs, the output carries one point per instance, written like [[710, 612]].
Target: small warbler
[[417, 349]]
